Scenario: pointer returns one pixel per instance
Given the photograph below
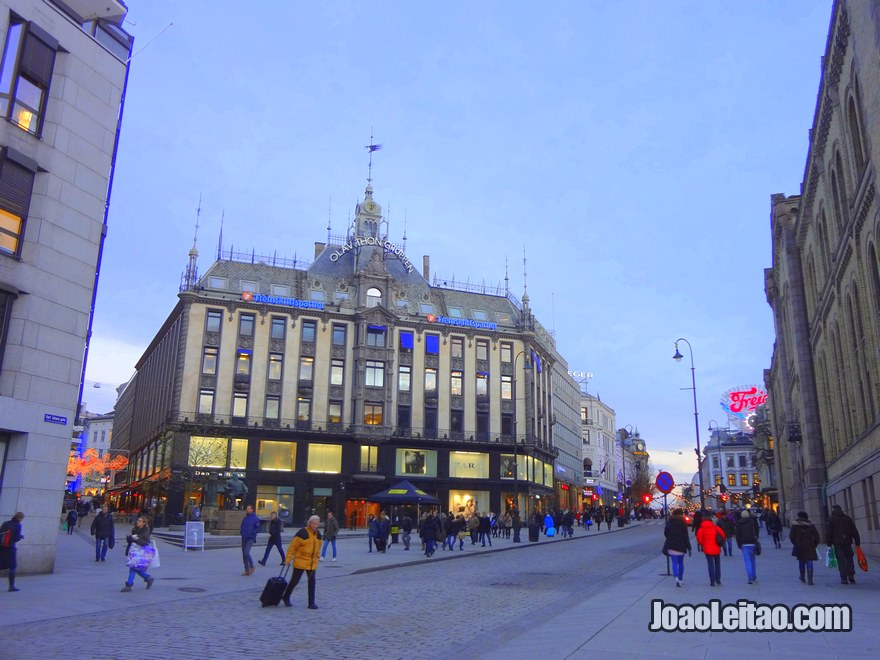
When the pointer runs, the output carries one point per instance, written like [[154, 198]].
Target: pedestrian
[[774, 527], [588, 520], [383, 523], [250, 527], [710, 537], [483, 530], [451, 532], [473, 527], [747, 541], [331, 530], [372, 532], [548, 525], [276, 526], [71, 520], [729, 528], [102, 530], [10, 534], [304, 550], [140, 536], [842, 533], [678, 542], [609, 516], [406, 524], [428, 532], [805, 538]]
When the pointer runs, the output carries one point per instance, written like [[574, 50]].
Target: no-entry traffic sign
[[665, 482]]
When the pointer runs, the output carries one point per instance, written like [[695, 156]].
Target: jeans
[[430, 547], [406, 539], [450, 541], [136, 571], [845, 564], [274, 542], [677, 566], [246, 545], [294, 580], [714, 564], [326, 543], [101, 548], [808, 565], [484, 536], [748, 551]]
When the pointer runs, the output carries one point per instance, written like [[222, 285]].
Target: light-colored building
[[97, 435], [824, 289], [62, 85], [728, 461], [602, 459]]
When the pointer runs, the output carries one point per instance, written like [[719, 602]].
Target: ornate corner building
[[824, 289], [318, 385]]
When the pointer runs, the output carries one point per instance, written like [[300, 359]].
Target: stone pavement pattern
[[556, 599]]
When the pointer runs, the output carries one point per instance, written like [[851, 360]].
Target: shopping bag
[[830, 558], [551, 531], [863, 561], [155, 563], [140, 556]]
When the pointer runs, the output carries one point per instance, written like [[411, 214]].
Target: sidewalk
[[81, 586]]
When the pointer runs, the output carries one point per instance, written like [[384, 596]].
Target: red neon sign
[[748, 399]]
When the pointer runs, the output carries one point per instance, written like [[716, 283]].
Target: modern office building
[[824, 290], [62, 84], [317, 385], [567, 436]]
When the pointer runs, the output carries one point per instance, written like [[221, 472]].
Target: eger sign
[[247, 296], [396, 250]]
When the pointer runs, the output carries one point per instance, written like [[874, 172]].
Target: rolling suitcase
[[274, 588]]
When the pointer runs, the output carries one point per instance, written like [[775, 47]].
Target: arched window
[[374, 297], [824, 245], [855, 136], [839, 217]]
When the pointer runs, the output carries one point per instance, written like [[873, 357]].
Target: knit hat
[[802, 515], [745, 514]]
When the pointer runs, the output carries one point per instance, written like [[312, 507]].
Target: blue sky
[[630, 147]]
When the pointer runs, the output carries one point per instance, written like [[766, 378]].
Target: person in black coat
[[276, 525], [406, 525], [805, 538], [677, 543], [774, 527], [842, 533], [8, 549], [104, 533], [428, 532], [747, 541]]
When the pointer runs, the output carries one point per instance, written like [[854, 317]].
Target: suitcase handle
[[284, 570]]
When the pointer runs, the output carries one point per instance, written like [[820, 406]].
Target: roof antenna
[[404, 228], [329, 211], [220, 240], [149, 42], [371, 148], [506, 278], [525, 278]]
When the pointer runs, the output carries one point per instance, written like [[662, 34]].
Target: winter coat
[[7, 554], [304, 549], [250, 525], [745, 532], [102, 526], [429, 528], [727, 526], [707, 537], [373, 529], [406, 524], [842, 530], [331, 529], [275, 527], [676, 533], [805, 538], [139, 535], [548, 522], [72, 517], [774, 522]]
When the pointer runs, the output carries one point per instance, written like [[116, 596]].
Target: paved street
[[555, 599]]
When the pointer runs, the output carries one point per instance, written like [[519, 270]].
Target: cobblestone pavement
[[428, 609]]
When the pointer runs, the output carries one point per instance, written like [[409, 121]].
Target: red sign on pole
[[665, 482]]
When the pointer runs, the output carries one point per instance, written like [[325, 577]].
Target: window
[[243, 362], [755, 478], [416, 462], [303, 409], [306, 367], [248, 286], [276, 366], [482, 349], [279, 328], [507, 388], [456, 383], [28, 60], [403, 418], [503, 317], [426, 308], [372, 414], [16, 184], [404, 378], [218, 282], [730, 459], [457, 348], [206, 402], [406, 341], [325, 458], [316, 295], [309, 329], [239, 404], [717, 479], [374, 374], [731, 480], [276, 498], [430, 423], [209, 360], [482, 425], [337, 372], [338, 335], [744, 479], [213, 320], [714, 462], [430, 379], [742, 460], [482, 384], [341, 295], [506, 353], [369, 458], [246, 325], [217, 452], [376, 336], [273, 407], [455, 312], [334, 412], [279, 290], [471, 465], [432, 344], [479, 315], [278, 456], [374, 297]]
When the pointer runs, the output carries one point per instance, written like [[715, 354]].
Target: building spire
[[371, 148], [329, 212], [525, 297], [191, 275], [404, 228], [506, 278]]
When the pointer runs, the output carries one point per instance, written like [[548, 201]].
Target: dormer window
[[374, 297]]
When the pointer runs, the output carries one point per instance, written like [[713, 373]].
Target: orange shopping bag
[[863, 561]]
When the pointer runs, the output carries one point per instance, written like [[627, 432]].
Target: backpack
[[6, 535]]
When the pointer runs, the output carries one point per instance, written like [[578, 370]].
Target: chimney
[[426, 267], [319, 248]]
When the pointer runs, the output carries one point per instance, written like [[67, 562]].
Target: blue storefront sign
[[55, 419]]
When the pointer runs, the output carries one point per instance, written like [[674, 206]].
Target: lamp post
[[678, 357], [628, 430], [722, 487], [517, 518]]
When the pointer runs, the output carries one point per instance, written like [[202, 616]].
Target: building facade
[[62, 85], [824, 290], [319, 385], [729, 461], [602, 460], [569, 479]]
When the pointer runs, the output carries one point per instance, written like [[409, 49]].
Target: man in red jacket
[[710, 537]]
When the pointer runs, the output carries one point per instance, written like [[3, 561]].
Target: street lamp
[[722, 487], [628, 430], [517, 518], [678, 357]]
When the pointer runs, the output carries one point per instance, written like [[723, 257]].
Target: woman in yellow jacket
[[304, 550]]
